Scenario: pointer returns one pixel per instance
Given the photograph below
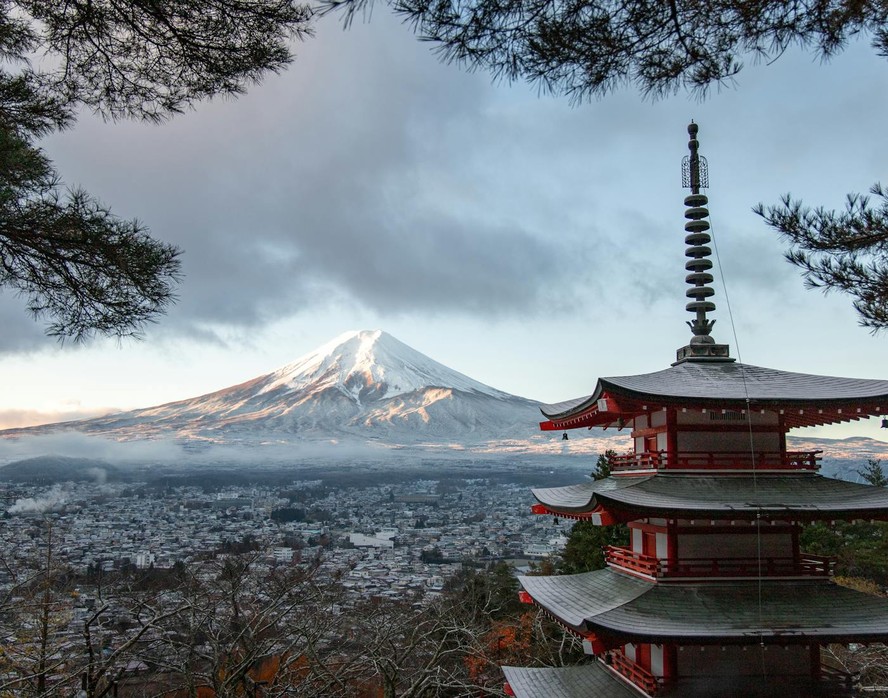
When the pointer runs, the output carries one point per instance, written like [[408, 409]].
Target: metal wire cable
[[758, 517]]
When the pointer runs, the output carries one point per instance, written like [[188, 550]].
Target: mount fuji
[[361, 385]]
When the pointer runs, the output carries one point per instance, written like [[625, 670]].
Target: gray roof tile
[[729, 381], [573, 598], [612, 603], [590, 680], [721, 496]]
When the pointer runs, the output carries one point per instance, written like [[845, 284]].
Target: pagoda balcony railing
[[803, 566], [722, 460], [642, 678]]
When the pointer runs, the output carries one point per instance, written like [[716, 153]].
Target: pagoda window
[[651, 443], [650, 538], [649, 544]]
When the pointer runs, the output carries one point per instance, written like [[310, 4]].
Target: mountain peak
[[370, 364]]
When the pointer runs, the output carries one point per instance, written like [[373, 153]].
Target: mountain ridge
[[364, 384]]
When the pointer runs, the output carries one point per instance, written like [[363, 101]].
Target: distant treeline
[[56, 469]]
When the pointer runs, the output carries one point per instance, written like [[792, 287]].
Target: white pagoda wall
[[657, 660]]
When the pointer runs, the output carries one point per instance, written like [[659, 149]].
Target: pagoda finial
[[695, 176]]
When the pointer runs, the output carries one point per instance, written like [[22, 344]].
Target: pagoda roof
[[589, 680], [796, 496], [611, 604], [592, 680], [717, 383]]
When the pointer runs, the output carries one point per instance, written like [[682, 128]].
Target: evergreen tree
[[604, 464], [843, 251], [589, 48], [873, 473], [860, 548], [584, 550], [78, 266]]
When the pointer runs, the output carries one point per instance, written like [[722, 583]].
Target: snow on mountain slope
[[362, 384], [371, 365]]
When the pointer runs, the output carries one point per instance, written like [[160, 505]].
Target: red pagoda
[[713, 597]]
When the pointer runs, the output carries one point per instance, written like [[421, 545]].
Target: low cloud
[[52, 500], [13, 419], [77, 445]]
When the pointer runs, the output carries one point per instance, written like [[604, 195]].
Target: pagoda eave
[[797, 497], [588, 680], [804, 400], [618, 608], [795, 414]]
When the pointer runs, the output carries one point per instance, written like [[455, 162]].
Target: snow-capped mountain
[[362, 384], [370, 366]]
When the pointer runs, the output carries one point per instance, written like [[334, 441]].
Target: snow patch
[[369, 365]]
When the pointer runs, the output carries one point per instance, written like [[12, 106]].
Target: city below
[[398, 537]]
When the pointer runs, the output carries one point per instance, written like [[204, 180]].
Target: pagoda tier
[[582, 681], [595, 680], [798, 399], [794, 496], [619, 609]]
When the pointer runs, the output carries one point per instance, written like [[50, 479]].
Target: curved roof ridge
[[726, 381], [617, 605], [801, 495]]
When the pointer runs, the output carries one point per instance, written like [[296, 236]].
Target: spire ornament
[[695, 176]]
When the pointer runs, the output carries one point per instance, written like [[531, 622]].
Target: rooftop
[[721, 384], [794, 496], [614, 605], [590, 680]]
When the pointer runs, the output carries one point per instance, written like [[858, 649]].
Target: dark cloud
[[350, 178], [20, 332], [371, 176]]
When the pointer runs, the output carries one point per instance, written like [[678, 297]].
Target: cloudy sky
[[528, 243]]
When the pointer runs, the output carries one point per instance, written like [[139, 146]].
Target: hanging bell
[[564, 436], [884, 423]]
